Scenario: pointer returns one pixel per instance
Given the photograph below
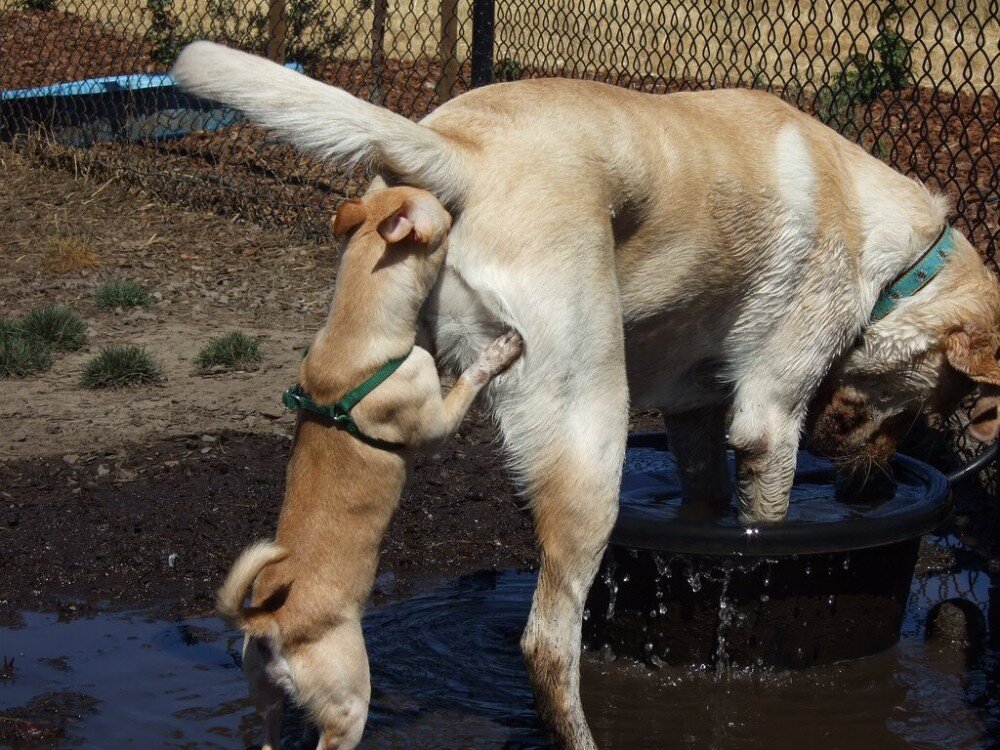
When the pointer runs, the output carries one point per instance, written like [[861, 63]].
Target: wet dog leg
[[698, 442]]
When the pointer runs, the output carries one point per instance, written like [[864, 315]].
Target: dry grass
[[67, 254]]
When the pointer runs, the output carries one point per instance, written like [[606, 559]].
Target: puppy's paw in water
[[500, 354]]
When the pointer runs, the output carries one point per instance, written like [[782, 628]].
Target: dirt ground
[[143, 497]]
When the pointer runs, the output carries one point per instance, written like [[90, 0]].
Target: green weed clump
[[234, 351], [20, 357], [121, 293], [56, 328], [9, 328], [118, 367], [27, 344]]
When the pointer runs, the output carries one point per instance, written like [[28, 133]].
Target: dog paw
[[501, 353]]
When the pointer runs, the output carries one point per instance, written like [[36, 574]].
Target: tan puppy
[[304, 626], [715, 254]]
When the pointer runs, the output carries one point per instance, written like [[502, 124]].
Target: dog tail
[[322, 119], [229, 599]]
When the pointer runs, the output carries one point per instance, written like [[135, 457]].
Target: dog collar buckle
[[339, 413]]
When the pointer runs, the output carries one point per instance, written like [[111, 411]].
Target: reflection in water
[[447, 673]]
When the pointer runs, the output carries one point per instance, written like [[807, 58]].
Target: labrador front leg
[[765, 436]]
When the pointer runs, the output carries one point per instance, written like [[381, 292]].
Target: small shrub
[[67, 254], [121, 367], [165, 33], [57, 328], [9, 328], [507, 69], [43, 5], [888, 66], [121, 293], [20, 357], [234, 351], [314, 29]]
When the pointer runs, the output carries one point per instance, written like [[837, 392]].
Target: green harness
[[340, 413]]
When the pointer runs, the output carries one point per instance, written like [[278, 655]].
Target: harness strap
[[339, 413]]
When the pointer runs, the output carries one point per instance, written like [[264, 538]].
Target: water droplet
[[625, 578], [648, 648], [662, 566], [609, 581], [765, 598], [586, 615]]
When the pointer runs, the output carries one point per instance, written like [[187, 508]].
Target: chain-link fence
[[913, 83]]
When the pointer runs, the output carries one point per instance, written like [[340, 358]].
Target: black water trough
[[829, 583]]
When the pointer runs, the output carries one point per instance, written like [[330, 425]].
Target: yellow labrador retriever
[[368, 396], [715, 254]]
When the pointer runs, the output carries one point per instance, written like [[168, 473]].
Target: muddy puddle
[[447, 673]]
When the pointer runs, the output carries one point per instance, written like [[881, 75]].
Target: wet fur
[[713, 254]]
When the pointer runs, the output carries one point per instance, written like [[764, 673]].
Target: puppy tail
[[322, 119], [229, 599]]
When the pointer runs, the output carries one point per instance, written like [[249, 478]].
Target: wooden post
[[277, 31], [381, 9], [448, 51]]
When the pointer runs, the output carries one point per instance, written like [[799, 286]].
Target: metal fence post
[[451, 66], [381, 12], [482, 42]]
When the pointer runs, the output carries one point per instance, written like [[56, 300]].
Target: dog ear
[[976, 352], [419, 219], [349, 217], [984, 419], [397, 226]]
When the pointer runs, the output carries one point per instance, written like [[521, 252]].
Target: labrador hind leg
[[566, 433], [698, 442]]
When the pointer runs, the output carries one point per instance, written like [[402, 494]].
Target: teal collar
[[917, 276], [340, 412]]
